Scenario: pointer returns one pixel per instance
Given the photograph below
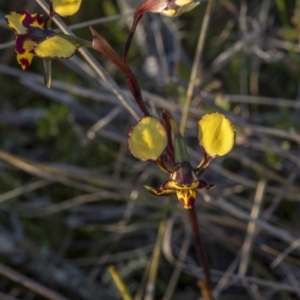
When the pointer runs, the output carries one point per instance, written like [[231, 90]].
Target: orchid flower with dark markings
[[33, 39], [170, 8], [161, 142]]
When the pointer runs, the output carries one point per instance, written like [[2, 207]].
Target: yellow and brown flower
[[33, 40], [184, 183], [161, 142], [29, 31]]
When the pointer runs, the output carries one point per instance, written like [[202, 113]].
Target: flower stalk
[[205, 285]]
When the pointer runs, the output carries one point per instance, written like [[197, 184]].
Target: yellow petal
[[147, 139], [21, 21], [66, 7], [186, 198], [182, 2], [55, 46], [216, 134], [169, 12], [28, 45], [178, 7], [25, 58], [14, 21], [37, 21]]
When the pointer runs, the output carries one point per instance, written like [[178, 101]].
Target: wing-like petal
[[55, 47], [147, 139], [216, 134]]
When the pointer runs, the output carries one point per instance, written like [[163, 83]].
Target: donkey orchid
[[170, 8], [216, 136], [29, 31], [161, 142], [33, 39]]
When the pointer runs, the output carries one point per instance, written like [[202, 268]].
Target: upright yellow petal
[[55, 46], [15, 22], [216, 134], [66, 7], [147, 139]]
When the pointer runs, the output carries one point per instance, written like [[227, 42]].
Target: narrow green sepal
[[180, 151], [76, 41], [47, 71]]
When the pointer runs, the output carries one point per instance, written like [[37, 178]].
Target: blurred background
[[72, 200]]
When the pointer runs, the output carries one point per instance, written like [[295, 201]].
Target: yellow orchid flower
[[28, 28], [161, 142], [33, 39]]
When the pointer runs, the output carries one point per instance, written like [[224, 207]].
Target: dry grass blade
[[170, 290], [30, 284], [94, 64], [22, 190], [119, 283], [197, 60], [154, 265], [248, 243]]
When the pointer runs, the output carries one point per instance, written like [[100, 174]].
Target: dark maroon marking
[[19, 46], [40, 19], [25, 62], [202, 184], [192, 201], [29, 20]]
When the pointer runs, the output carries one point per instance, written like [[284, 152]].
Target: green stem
[[282, 11], [76, 41]]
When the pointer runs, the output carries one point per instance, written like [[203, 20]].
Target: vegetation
[[75, 217]]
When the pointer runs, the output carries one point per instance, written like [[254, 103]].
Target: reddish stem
[[130, 36], [202, 259]]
